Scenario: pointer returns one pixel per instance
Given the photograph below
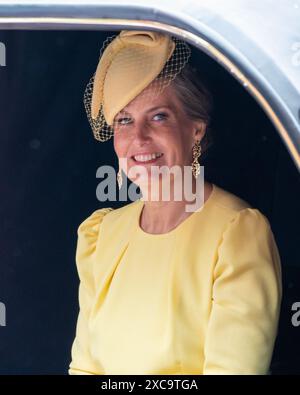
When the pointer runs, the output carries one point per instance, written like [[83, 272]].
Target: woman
[[164, 290]]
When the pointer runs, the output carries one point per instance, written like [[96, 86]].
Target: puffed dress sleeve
[[246, 298], [88, 233]]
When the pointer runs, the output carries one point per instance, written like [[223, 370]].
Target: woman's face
[[157, 126]]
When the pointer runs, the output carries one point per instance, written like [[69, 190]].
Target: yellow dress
[[204, 298]]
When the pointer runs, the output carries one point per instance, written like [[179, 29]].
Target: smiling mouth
[[144, 159]]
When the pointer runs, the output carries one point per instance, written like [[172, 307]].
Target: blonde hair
[[196, 100]]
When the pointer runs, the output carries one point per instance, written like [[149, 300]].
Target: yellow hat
[[129, 63], [127, 66]]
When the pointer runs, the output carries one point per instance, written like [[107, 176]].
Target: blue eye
[[161, 115], [123, 121]]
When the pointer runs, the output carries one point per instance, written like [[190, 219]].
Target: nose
[[142, 132]]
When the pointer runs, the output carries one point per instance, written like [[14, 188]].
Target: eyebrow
[[157, 107], [149, 110]]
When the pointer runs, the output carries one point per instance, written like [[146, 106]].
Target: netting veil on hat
[[129, 64]]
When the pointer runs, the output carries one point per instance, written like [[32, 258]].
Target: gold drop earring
[[119, 178], [195, 163]]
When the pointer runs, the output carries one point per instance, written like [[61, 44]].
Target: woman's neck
[[162, 216]]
